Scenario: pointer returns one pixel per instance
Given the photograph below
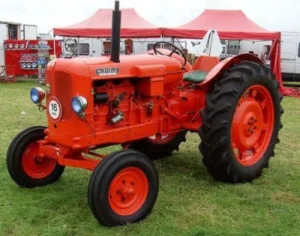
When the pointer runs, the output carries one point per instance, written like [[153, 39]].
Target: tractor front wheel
[[123, 188], [24, 164], [241, 123]]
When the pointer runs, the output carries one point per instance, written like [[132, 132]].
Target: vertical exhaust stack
[[116, 33]]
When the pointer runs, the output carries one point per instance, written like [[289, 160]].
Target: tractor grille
[[49, 78], [63, 92]]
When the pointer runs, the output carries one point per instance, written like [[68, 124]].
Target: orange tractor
[[147, 103]]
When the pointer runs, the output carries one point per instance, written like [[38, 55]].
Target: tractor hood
[[130, 66]]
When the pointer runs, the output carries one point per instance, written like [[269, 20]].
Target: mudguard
[[225, 64]]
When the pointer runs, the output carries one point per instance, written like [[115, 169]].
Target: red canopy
[[230, 24], [99, 26]]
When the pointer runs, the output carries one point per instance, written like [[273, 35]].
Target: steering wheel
[[71, 45], [175, 49]]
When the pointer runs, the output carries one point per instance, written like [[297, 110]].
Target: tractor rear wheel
[[24, 165], [241, 123], [123, 188], [158, 146]]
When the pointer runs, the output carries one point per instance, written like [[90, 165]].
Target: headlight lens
[[37, 95], [79, 104]]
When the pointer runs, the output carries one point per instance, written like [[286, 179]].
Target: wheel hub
[[38, 160], [35, 166], [128, 191], [247, 124], [252, 125]]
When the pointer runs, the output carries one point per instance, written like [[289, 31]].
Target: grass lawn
[[190, 202]]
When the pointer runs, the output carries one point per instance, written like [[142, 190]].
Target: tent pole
[[78, 44], [172, 40], [54, 46], [92, 47]]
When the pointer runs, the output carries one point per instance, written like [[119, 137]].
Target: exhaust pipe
[[116, 33]]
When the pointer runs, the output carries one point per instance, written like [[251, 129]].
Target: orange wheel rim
[[128, 191], [34, 166], [252, 126]]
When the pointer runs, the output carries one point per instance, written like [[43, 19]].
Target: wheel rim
[[252, 125], [161, 139], [128, 191], [34, 166]]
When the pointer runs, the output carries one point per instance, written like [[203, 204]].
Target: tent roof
[[99, 25], [230, 24]]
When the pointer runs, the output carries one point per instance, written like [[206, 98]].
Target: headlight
[[37, 95], [79, 104]]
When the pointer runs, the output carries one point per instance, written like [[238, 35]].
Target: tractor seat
[[196, 76], [202, 66]]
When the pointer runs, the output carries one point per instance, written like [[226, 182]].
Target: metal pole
[[173, 40], [54, 46], [92, 47], [78, 44]]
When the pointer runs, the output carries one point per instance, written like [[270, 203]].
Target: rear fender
[[226, 64]]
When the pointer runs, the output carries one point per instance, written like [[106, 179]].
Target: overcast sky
[[275, 15]]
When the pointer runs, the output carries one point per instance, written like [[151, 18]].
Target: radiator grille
[[63, 92]]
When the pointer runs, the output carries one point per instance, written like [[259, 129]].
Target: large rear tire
[[241, 123], [24, 165], [158, 147]]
